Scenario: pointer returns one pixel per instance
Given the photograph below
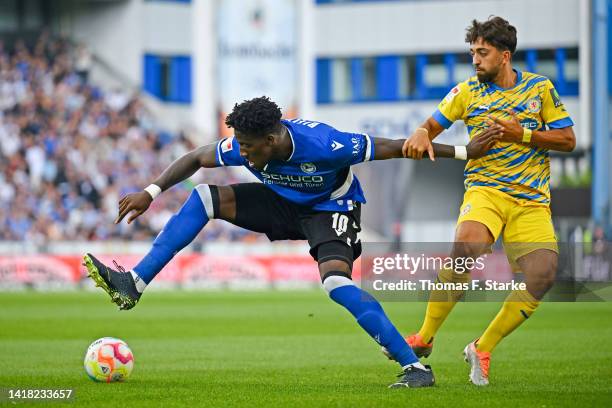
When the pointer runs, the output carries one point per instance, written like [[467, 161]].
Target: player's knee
[[468, 249], [540, 269], [209, 196], [472, 239], [219, 201], [473, 232], [548, 272], [539, 286], [225, 203], [334, 256], [551, 267], [334, 265]]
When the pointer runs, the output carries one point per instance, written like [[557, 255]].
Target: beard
[[487, 76]]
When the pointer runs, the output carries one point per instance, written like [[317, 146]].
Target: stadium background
[[98, 96]]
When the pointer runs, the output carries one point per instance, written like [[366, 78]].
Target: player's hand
[[417, 144], [482, 142], [136, 203], [511, 130]]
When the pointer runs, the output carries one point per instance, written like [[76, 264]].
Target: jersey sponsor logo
[[335, 145], [356, 145], [308, 167], [534, 105], [274, 178], [555, 97], [529, 124], [453, 92], [227, 145]]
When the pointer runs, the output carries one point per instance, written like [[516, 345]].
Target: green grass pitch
[[295, 349]]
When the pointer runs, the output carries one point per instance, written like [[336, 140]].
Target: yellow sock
[[517, 308], [441, 302]]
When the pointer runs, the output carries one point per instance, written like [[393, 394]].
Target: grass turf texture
[[295, 349]]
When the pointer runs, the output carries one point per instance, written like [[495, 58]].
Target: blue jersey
[[318, 172]]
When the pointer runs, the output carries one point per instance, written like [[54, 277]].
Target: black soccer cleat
[[118, 284], [414, 377]]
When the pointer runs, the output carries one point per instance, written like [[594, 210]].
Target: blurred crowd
[[69, 150]]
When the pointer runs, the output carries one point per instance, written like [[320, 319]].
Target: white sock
[[140, 284], [417, 365]]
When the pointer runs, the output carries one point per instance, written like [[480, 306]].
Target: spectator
[[69, 150]]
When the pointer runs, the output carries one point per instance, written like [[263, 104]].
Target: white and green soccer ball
[[109, 359]]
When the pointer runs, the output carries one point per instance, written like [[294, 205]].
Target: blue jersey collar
[[519, 78], [292, 142]]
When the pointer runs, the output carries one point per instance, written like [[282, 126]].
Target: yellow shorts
[[523, 228]]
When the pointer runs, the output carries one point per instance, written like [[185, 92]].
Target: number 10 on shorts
[[339, 223]]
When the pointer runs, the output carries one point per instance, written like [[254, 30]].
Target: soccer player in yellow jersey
[[507, 190]]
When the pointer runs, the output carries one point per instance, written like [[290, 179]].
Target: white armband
[[154, 190], [460, 152]]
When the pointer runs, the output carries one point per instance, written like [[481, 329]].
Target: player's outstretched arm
[[480, 144], [181, 169], [385, 149]]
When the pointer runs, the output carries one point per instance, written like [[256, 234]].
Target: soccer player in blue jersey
[[307, 191]]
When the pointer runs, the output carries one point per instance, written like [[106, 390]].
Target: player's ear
[[271, 139], [507, 56]]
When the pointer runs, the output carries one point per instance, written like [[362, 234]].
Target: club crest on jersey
[[308, 167], [453, 92], [226, 146], [534, 105]]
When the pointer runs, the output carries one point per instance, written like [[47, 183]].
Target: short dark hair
[[255, 117], [496, 31]]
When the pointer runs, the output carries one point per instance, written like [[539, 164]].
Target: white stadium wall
[[167, 28], [414, 26], [113, 30]]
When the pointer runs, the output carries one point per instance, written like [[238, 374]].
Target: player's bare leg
[[540, 270]]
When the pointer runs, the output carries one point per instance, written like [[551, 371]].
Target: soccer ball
[[109, 359]]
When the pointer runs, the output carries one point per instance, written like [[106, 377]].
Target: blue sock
[[371, 316], [179, 231]]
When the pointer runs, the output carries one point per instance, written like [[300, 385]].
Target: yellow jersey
[[517, 169]]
